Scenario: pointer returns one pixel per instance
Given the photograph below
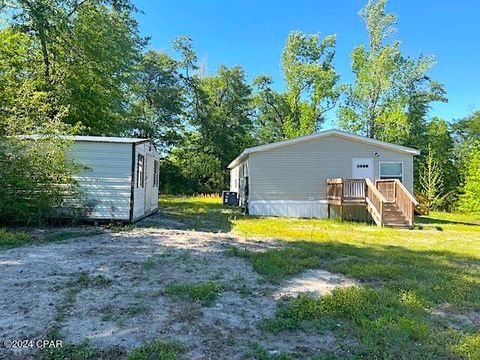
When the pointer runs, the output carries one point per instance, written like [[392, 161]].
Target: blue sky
[[252, 34]]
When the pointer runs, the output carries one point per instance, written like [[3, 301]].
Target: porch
[[387, 201]]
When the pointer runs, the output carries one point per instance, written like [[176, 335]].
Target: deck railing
[[346, 189], [395, 191], [376, 196]]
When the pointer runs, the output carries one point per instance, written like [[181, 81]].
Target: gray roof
[[244, 155], [103, 139]]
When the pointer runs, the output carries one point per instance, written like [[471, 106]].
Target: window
[[391, 170], [140, 171], [155, 173]]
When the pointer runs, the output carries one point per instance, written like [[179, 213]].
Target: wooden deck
[[387, 201]]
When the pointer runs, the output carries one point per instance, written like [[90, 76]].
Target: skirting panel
[[289, 208]]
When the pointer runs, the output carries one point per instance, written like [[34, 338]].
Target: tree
[[85, 54], [218, 117], [158, 100], [391, 93], [469, 201], [311, 89], [431, 181], [466, 132]]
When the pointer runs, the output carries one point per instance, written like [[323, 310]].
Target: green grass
[[200, 213], [404, 274], [157, 350], [10, 238], [204, 292]]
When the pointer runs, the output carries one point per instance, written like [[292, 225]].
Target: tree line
[[81, 66]]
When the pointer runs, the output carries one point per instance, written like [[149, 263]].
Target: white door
[[148, 184], [362, 168]]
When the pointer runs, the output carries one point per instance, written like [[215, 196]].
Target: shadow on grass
[[187, 213], [427, 220]]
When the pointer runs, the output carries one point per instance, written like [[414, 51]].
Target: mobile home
[[325, 174]]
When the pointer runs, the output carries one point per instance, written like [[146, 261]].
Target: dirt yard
[[112, 289]]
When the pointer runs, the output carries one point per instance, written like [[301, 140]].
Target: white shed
[[122, 176]]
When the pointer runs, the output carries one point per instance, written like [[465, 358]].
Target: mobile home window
[[391, 170], [155, 173], [140, 171]]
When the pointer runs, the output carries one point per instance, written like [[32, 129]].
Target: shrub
[[36, 180]]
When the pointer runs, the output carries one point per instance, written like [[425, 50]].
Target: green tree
[[312, 89], [391, 93], [85, 54], [158, 100], [469, 201], [466, 132], [431, 181], [218, 115]]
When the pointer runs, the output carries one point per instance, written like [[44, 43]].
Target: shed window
[[391, 170], [140, 171], [155, 173]]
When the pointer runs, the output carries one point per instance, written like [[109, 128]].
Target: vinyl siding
[[299, 171], [107, 181]]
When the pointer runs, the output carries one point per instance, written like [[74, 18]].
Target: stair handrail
[[371, 185], [410, 196], [405, 201], [371, 203]]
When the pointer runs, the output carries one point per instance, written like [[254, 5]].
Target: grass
[[10, 238], [157, 350], [404, 275], [200, 213], [81, 281], [204, 292]]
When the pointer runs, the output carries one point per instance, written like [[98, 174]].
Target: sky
[[252, 34]]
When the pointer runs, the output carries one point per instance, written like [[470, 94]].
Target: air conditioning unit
[[230, 198]]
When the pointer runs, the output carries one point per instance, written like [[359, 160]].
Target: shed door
[[362, 168], [149, 184]]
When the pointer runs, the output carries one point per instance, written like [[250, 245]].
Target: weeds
[[157, 350], [12, 238], [205, 293]]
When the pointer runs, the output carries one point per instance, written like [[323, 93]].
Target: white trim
[[389, 162], [319, 135]]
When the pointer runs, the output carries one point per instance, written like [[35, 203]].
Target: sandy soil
[[132, 309]]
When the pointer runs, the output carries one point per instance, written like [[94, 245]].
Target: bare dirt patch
[[313, 282], [122, 300]]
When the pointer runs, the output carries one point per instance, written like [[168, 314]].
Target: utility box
[[230, 198]]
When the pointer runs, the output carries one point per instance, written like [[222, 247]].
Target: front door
[[362, 168]]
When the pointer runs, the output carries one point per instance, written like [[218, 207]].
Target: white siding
[[139, 201], [299, 171], [107, 181]]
